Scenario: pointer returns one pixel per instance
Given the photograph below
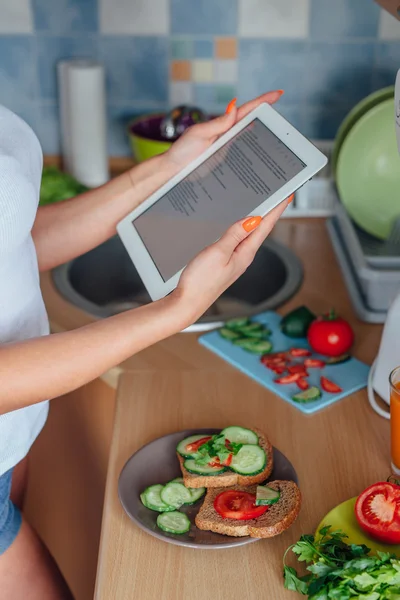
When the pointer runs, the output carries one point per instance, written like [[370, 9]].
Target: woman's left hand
[[199, 137]]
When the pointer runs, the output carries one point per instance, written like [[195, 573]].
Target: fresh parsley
[[217, 447], [340, 571]]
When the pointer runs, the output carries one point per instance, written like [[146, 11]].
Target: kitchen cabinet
[[67, 474]]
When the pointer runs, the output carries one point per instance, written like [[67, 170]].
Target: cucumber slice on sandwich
[[240, 435], [174, 522], [250, 460], [183, 448], [191, 466], [265, 496]]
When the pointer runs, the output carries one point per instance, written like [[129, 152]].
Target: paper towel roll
[[82, 102]]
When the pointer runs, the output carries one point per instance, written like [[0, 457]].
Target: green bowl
[[368, 171], [145, 138], [354, 115]]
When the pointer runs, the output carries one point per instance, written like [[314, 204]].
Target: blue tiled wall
[[325, 54]]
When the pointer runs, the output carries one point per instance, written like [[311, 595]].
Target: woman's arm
[[70, 228]]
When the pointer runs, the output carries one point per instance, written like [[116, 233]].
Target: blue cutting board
[[350, 376]]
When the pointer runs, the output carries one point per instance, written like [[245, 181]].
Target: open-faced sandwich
[[255, 511], [235, 456]]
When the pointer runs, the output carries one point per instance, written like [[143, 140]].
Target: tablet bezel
[[293, 139]]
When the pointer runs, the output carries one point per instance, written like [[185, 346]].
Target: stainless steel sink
[[104, 282]]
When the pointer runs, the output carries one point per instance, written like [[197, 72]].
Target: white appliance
[[389, 351]]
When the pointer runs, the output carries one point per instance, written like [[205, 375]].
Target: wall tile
[[67, 16], [117, 133], [321, 122], [225, 71], [48, 128], [226, 47], [272, 65], [387, 63], [18, 75], [16, 17], [180, 92], [181, 48], [202, 71], [273, 18], [204, 95], [51, 50], [224, 94], [343, 19], [181, 70], [137, 68], [134, 17], [389, 27], [218, 17], [203, 48], [292, 112], [338, 75]]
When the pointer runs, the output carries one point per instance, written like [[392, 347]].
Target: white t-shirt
[[22, 311]]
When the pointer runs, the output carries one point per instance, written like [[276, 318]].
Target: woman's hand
[[221, 264], [200, 137]]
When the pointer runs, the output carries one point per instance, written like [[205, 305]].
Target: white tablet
[[251, 169]]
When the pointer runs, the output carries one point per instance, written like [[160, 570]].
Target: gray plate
[[157, 463]]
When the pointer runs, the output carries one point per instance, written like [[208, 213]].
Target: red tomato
[[238, 505], [330, 335], [288, 378], [299, 352], [277, 369], [278, 357], [298, 369], [330, 387], [303, 383], [194, 446], [217, 463], [314, 363], [378, 512]]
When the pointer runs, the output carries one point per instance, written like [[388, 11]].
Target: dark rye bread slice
[[229, 478], [277, 519]]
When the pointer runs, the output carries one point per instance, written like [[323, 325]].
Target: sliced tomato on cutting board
[[378, 512], [237, 505], [302, 383], [299, 352], [287, 379], [329, 386], [314, 363]]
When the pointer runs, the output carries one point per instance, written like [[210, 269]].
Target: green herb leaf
[[293, 582]]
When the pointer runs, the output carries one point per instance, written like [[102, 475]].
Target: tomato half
[[238, 505], [194, 446], [303, 383], [286, 379], [378, 512]]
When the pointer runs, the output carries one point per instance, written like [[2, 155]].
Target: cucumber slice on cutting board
[[250, 460], [174, 522], [254, 346], [181, 447], [175, 494], [265, 496], [151, 498], [310, 395], [240, 435], [229, 334], [237, 323], [191, 466]]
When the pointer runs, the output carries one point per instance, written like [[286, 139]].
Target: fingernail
[[230, 106], [280, 92], [290, 199], [251, 223]]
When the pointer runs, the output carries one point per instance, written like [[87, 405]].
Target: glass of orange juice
[[395, 419]]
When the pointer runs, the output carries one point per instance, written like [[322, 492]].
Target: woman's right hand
[[221, 264]]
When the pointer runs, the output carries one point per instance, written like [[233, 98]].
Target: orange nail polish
[[290, 198], [231, 106], [251, 223], [280, 92]]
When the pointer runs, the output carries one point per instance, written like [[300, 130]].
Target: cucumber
[[196, 494], [175, 494], [191, 466], [310, 395], [338, 360], [181, 447], [254, 346], [151, 498], [240, 435], [260, 333], [250, 460], [229, 334], [237, 323], [178, 480], [265, 496], [173, 522]]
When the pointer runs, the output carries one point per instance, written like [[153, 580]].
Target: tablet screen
[[225, 188]]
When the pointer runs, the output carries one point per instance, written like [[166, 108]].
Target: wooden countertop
[[178, 384]]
